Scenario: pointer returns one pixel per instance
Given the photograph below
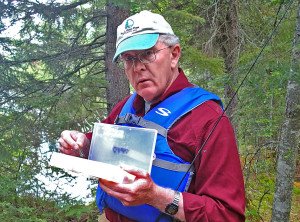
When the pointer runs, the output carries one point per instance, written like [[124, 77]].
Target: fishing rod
[[266, 43], [268, 40]]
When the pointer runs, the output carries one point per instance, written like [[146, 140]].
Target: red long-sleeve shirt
[[216, 192]]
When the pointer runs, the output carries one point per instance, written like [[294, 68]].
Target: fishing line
[[235, 93], [268, 40]]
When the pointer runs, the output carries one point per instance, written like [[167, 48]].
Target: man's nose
[[138, 65]]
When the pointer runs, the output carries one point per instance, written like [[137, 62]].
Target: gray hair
[[168, 39]]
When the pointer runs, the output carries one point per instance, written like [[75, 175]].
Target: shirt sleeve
[[217, 190]]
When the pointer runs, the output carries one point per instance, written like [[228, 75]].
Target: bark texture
[[289, 141], [118, 85], [229, 45]]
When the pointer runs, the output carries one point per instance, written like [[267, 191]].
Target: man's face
[[151, 80]]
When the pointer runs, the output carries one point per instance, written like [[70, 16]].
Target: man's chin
[[147, 94]]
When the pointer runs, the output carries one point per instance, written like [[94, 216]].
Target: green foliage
[[51, 78], [296, 191], [200, 62], [76, 211], [29, 209], [260, 189]]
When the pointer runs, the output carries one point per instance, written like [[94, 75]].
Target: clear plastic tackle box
[[123, 145], [111, 147]]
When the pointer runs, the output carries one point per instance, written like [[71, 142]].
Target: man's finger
[[137, 172], [62, 143], [68, 137], [81, 140], [74, 134], [67, 151]]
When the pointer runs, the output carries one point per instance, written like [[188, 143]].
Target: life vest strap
[[173, 166], [130, 118]]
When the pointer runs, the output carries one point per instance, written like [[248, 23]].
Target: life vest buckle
[[132, 119]]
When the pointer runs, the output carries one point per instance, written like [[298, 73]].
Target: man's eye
[[148, 53], [129, 58]]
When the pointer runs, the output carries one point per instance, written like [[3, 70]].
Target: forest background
[[56, 73]]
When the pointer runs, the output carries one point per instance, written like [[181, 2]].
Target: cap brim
[[137, 42]]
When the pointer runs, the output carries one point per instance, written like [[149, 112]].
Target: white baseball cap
[[140, 31]]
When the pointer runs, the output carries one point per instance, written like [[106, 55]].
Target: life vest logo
[[163, 112], [129, 23]]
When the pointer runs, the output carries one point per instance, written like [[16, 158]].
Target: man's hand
[[140, 191], [74, 143]]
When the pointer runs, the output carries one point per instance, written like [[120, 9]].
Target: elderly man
[[192, 179]]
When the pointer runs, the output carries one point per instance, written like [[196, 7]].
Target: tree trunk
[[118, 85], [229, 44], [289, 142]]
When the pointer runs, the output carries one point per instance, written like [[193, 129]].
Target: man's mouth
[[143, 81]]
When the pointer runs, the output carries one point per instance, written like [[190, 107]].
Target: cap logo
[[129, 23], [129, 27]]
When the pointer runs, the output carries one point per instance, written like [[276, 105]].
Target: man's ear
[[175, 55]]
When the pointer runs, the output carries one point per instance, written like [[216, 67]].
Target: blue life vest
[[168, 170]]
